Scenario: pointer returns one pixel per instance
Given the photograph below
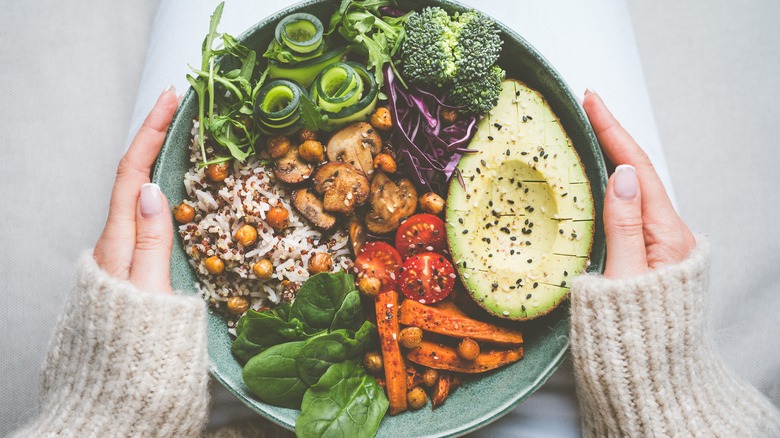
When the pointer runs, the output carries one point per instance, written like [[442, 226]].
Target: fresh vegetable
[[278, 107], [345, 402], [374, 35], [395, 369], [454, 323], [226, 86], [427, 146], [320, 352], [297, 37], [301, 32], [273, 377], [456, 53], [345, 92], [378, 260], [442, 357], [293, 346], [478, 95], [305, 71], [421, 233], [521, 225], [427, 277], [328, 301]]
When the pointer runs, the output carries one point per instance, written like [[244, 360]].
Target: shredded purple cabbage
[[429, 150], [391, 11]]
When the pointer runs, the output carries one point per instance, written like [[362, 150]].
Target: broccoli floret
[[479, 45], [478, 96], [428, 53], [456, 53]]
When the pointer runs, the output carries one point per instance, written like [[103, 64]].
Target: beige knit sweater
[[124, 362]]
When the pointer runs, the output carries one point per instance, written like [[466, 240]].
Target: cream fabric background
[[71, 72]]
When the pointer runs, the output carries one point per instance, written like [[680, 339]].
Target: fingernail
[[590, 91], [169, 88], [150, 200], [626, 183]]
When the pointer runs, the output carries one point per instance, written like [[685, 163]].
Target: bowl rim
[[592, 143]]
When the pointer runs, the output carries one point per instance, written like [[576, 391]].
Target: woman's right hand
[[642, 228]]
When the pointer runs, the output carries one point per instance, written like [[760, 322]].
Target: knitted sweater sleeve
[[124, 362], [644, 365]]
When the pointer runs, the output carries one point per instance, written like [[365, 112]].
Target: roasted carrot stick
[[447, 321], [395, 368], [443, 357]]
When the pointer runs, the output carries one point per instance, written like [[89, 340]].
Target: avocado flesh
[[523, 227]]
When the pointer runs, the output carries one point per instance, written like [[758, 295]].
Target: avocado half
[[522, 227]]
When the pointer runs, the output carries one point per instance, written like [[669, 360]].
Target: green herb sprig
[[226, 93]]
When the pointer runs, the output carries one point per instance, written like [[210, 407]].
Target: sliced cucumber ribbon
[[346, 92], [301, 33], [278, 107]]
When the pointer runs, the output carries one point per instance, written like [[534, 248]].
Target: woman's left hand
[[136, 242]]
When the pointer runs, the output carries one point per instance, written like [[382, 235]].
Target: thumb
[[150, 270], [626, 251]]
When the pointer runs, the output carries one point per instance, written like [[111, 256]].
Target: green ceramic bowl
[[477, 402]]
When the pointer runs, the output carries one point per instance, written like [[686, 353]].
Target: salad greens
[[346, 402], [289, 349], [374, 35], [225, 84]]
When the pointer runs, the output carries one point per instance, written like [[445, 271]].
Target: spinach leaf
[[260, 330], [319, 298], [345, 402], [350, 315], [273, 377], [321, 352]]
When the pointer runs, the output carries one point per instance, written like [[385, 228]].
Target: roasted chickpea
[[430, 377], [246, 235], [263, 269], [214, 265], [410, 337], [449, 115], [217, 172], [278, 217], [381, 119], [369, 286], [431, 203], [320, 262], [372, 362], [237, 305], [416, 398], [183, 213], [306, 134], [385, 163], [277, 146], [468, 349], [311, 151]]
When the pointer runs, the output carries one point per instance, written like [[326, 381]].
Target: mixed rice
[[245, 197]]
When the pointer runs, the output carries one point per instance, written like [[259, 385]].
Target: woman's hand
[[137, 239], [642, 228]]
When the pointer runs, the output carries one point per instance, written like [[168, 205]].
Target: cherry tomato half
[[421, 233], [427, 277], [378, 260]]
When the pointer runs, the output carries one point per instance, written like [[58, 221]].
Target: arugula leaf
[[376, 36], [312, 117], [346, 402]]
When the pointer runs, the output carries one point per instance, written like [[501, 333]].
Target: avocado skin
[[525, 184]]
